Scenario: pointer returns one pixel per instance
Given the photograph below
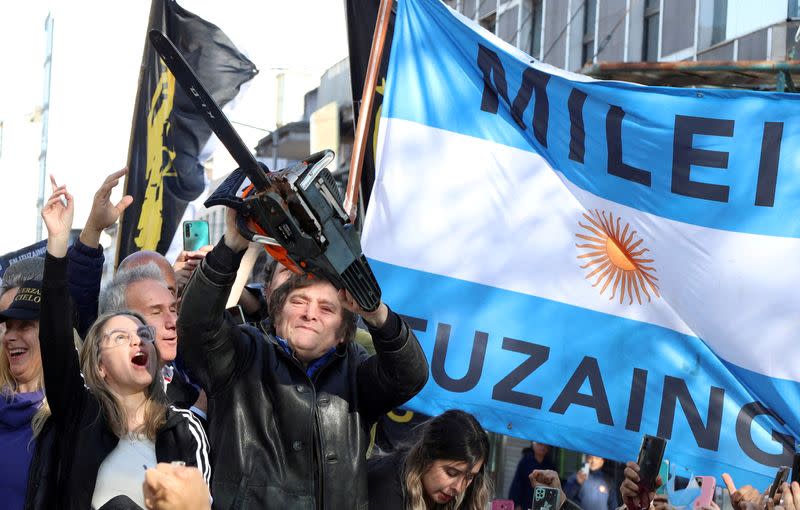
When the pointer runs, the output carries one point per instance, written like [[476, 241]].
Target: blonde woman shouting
[[114, 421]]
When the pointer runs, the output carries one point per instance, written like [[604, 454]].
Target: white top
[[122, 472]]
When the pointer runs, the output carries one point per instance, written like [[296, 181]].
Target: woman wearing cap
[[23, 409], [119, 423], [444, 469]]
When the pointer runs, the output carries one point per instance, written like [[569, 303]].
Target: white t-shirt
[[122, 472]]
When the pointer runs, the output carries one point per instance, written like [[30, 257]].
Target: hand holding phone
[[545, 498], [546, 479], [639, 485], [780, 478], [651, 454]]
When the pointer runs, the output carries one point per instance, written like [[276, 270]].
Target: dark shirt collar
[[312, 367]]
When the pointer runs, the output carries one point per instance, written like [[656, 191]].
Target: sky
[[97, 52]]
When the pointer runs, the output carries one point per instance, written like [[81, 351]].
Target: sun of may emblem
[[616, 257]]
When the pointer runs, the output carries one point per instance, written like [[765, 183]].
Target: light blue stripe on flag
[[564, 375]]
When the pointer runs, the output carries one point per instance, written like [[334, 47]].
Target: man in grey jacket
[[290, 408]]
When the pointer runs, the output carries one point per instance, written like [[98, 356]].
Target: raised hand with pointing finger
[[740, 497], [57, 214]]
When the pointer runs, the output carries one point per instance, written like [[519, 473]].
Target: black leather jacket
[[76, 437], [279, 438]]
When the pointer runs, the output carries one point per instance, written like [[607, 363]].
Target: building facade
[[573, 34]]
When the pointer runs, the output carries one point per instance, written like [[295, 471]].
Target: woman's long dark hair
[[453, 435]]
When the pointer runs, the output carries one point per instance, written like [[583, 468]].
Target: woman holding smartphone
[[114, 420], [445, 468]]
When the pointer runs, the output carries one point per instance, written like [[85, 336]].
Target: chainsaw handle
[[272, 247], [243, 227]]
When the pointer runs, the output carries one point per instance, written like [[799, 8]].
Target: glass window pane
[[650, 52], [587, 55], [590, 17], [536, 19]]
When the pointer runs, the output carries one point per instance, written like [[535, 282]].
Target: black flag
[[361, 18], [165, 163]]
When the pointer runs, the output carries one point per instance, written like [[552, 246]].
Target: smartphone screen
[[796, 468], [195, 235]]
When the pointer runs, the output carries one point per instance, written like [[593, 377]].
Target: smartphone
[[195, 235], [585, 469], [502, 504], [545, 498], [796, 468], [651, 454], [708, 486], [780, 478], [663, 472]]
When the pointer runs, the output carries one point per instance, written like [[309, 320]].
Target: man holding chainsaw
[[290, 409]]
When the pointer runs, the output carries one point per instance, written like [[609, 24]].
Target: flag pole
[[157, 8], [367, 96]]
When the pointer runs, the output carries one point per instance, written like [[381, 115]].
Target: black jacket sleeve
[[62, 372], [85, 273], [208, 343], [396, 372]]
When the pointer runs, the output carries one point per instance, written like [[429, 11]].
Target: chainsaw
[[296, 212]]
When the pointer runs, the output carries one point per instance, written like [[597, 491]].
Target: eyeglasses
[[117, 337]]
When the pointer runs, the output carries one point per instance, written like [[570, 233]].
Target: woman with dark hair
[[108, 407], [444, 469]]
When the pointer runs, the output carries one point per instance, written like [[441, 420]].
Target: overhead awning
[[748, 74]]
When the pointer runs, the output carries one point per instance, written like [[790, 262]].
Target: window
[[489, 22], [794, 8], [652, 15], [589, 19], [536, 28], [713, 21], [469, 8], [719, 21]]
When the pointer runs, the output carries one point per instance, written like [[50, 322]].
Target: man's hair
[[26, 269], [265, 276], [347, 330], [113, 299]]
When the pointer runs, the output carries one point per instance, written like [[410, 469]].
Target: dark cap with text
[[26, 304]]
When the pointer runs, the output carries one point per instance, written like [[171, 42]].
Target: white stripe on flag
[[471, 209]]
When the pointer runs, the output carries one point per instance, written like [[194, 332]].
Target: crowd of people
[[149, 394]]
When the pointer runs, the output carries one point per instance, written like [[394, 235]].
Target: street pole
[[48, 61]]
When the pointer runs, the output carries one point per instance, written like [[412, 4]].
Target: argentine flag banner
[[585, 262]]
